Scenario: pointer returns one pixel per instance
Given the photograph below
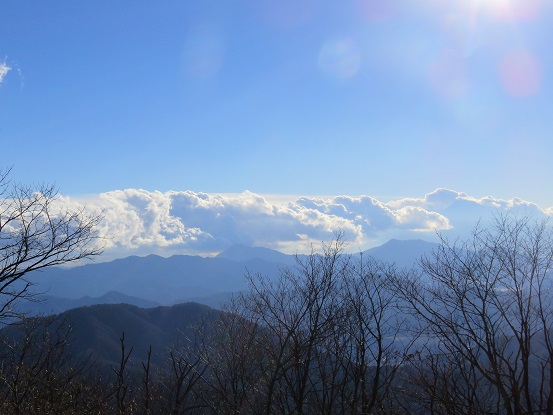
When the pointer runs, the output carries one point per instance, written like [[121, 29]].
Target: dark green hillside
[[97, 329]]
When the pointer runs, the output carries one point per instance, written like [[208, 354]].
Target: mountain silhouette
[[155, 280]]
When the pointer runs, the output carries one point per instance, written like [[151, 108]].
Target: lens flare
[[512, 10], [288, 14], [340, 58], [448, 76], [521, 73], [375, 9]]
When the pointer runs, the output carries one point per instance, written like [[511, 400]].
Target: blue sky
[[359, 97]]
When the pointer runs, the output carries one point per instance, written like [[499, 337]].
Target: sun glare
[[510, 9]]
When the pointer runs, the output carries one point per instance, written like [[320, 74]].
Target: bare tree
[[376, 343], [230, 349], [34, 234], [297, 310], [187, 372], [487, 306], [40, 374], [121, 390], [329, 334]]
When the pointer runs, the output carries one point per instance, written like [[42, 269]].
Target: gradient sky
[[359, 97]]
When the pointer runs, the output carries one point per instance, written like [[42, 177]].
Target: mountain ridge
[[48, 305], [180, 277]]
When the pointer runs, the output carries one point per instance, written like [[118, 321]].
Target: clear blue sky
[[309, 97]]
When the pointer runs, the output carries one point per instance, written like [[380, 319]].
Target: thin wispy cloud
[[140, 222], [4, 69]]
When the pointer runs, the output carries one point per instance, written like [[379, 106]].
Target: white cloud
[[139, 222], [464, 211], [375, 216], [417, 219], [4, 69], [250, 219]]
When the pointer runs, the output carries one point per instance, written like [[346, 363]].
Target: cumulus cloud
[[251, 220], [464, 211], [4, 69], [141, 222], [137, 221], [375, 216]]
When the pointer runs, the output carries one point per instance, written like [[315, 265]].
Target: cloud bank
[[139, 222]]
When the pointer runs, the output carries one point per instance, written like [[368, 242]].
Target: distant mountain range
[[157, 279], [153, 280], [46, 305], [402, 253]]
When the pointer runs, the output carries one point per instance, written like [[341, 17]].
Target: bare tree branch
[[34, 234]]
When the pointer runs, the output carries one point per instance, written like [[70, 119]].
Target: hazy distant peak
[[403, 253], [403, 243], [242, 253]]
